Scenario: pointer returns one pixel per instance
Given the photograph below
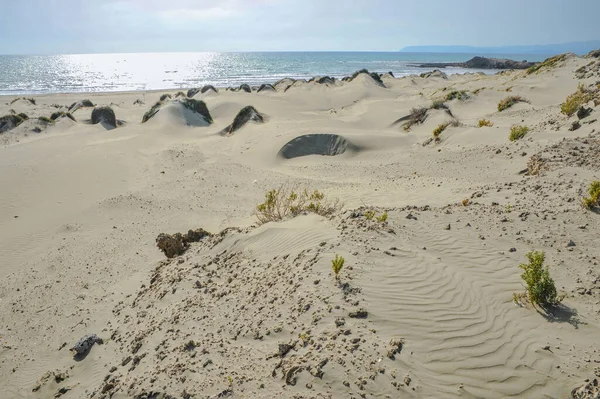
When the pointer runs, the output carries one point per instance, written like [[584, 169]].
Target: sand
[[424, 304]]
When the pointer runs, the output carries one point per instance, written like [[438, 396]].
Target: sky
[[105, 26]]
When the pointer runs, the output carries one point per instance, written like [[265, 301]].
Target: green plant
[[594, 199], [287, 202], [438, 103], [518, 132], [438, 131], [337, 265], [508, 208], [509, 102], [416, 117], [540, 286], [457, 94], [370, 214], [382, 218], [45, 119], [485, 122], [477, 91], [547, 63], [575, 100]]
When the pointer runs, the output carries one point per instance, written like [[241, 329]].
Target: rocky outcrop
[[245, 115], [482, 63], [176, 244], [434, 74], [593, 54], [104, 115], [9, 122]]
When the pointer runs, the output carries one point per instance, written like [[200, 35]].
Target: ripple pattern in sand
[[452, 303]]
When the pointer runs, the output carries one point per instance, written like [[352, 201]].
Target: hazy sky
[[92, 26]]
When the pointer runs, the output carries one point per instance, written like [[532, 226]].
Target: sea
[[75, 73]]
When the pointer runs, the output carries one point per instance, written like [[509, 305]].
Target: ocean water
[[36, 74]]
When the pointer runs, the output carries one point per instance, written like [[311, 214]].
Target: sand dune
[[424, 304]]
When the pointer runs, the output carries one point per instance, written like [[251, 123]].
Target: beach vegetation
[[45, 119], [517, 132], [461, 95], [576, 100], [337, 264], [485, 122], [438, 131], [287, 202], [509, 102], [593, 200], [23, 116], [547, 63], [383, 218], [151, 112], [370, 214], [416, 117], [165, 97], [477, 91], [535, 165], [539, 285], [374, 75], [438, 103], [198, 106], [466, 202]]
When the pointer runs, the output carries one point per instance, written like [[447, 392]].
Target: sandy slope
[[254, 312]]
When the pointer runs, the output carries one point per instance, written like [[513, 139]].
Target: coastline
[[423, 306]]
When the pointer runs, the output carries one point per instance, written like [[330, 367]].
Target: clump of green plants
[[288, 202], [509, 102], [165, 97], [547, 63], [416, 117], [517, 132], [337, 264], [539, 285], [152, 111], [477, 91], [457, 94], [438, 131], [382, 218], [45, 119], [370, 214], [438, 103], [485, 122], [593, 200], [576, 100]]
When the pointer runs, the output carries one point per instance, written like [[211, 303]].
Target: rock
[[483, 63], [339, 321], [176, 244], [284, 349], [434, 74], [583, 112], [396, 348], [512, 250], [326, 80], [448, 227], [570, 244], [83, 346], [591, 390], [574, 126], [245, 115], [266, 87], [359, 314], [104, 115]]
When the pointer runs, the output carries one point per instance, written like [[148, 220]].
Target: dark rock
[[83, 346], [266, 87], [574, 126], [176, 244], [245, 115], [359, 314], [482, 63], [583, 112], [104, 115]]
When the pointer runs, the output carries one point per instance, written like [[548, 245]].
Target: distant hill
[[574, 47]]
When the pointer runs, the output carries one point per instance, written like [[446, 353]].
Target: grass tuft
[[593, 201], [288, 202], [547, 64], [509, 102], [461, 95], [337, 264], [517, 132], [485, 122], [576, 100]]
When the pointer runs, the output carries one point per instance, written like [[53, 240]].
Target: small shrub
[[575, 100], [509, 102], [438, 104], [485, 122], [594, 199], [337, 264], [416, 117], [518, 132], [535, 165], [165, 97], [369, 215], [438, 131], [477, 91], [465, 202], [548, 63], [286, 202], [457, 94], [45, 119], [382, 218], [540, 286]]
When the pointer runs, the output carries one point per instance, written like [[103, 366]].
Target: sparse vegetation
[[466, 202], [370, 214], [593, 200], [287, 202], [535, 165], [152, 112], [165, 97], [438, 131], [477, 91], [337, 264], [547, 63], [382, 218], [485, 122], [416, 117], [198, 106], [576, 100], [509, 102], [438, 103], [45, 119], [517, 132], [457, 94], [540, 288], [374, 75]]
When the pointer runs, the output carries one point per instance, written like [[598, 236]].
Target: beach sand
[[424, 306]]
